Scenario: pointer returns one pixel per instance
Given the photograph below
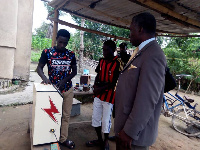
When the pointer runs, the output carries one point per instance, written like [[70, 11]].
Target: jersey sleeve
[[43, 58]]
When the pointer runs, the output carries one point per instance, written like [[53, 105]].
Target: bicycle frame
[[184, 114], [187, 103], [181, 103], [176, 99]]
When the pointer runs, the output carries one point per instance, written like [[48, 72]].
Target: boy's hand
[[46, 81], [99, 89], [61, 84], [96, 90]]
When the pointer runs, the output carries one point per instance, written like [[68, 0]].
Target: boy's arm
[[40, 72], [61, 84], [42, 63], [97, 87], [117, 70], [106, 86]]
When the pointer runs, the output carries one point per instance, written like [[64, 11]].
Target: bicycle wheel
[[187, 126]]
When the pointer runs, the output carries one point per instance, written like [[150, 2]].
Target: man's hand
[[124, 140], [46, 81]]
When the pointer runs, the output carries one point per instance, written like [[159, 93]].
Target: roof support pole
[[55, 28]]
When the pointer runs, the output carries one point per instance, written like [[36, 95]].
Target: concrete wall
[[8, 31], [15, 38], [23, 42]]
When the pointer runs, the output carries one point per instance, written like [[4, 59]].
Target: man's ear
[[141, 29]]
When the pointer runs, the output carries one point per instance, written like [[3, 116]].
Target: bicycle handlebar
[[183, 75]]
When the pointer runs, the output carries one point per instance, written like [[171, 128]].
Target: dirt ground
[[14, 124], [14, 136]]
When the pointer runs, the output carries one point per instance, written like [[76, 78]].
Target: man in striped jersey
[[104, 90]]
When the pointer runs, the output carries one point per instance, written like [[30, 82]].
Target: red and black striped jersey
[[108, 72]]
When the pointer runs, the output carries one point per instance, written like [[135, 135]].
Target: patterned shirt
[[59, 65], [108, 72]]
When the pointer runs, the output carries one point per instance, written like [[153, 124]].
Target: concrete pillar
[[15, 38], [23, 41], [8, 31]]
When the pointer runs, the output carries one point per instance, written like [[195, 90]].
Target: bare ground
[[14, 136]]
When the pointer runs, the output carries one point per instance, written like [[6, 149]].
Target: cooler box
[[85, 79], [47, 113], [76, 107]]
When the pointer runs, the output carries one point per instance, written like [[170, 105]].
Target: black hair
[[123, 45], [64, 33], [110, 44], [147, 21]]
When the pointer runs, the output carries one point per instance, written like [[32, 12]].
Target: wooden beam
[[61, 4], [88, 30], [55, 28], [178, 35], [58, 7], [161, 9], [178, 22]]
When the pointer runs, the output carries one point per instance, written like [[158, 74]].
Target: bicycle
[[185, 120]]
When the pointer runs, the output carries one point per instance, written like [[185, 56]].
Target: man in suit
[[140, 87]]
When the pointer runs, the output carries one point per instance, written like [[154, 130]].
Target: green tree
[[93, 42], [183, 58], [43, 30]]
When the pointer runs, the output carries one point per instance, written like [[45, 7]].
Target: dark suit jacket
[[139, 95]]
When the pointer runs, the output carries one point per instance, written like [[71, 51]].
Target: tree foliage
[[39, 43], [93, 42], [183, 57], [45, 30]]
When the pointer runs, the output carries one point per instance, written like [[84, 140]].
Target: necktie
[[134, 53]]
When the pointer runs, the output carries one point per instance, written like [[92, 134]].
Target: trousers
[[67, 106]]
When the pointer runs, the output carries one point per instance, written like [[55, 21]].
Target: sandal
[[94, 143], [69, 144]]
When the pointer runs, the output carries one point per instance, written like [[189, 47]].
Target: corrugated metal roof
[[173, 16]]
